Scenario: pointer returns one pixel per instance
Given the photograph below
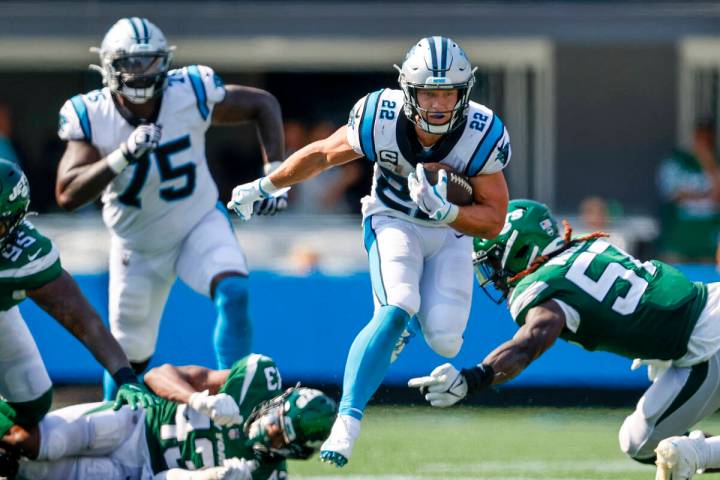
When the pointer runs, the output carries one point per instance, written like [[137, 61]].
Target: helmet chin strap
[[434, 129]]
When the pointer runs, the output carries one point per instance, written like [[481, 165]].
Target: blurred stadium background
[[595, 94]]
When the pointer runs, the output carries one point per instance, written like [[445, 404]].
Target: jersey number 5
[[162, 154], [614, 271]]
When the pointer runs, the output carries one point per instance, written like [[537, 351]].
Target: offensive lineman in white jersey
[[140, 142], [412, 253]]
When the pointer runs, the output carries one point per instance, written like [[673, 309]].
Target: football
[[459, 189]]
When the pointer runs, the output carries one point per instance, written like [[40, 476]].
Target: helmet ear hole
[[522, 251]]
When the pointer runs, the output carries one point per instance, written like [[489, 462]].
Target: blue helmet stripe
[[433, 56], [367, 124], [146, 34], [199, 89], [82, 113], [135, 29], [486, 146], [443, 58]]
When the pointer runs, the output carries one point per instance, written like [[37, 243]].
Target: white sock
[[347, 426]]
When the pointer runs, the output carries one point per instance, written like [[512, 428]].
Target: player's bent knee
[[635, 442], [406, 299], [30, 413], [446, 344]]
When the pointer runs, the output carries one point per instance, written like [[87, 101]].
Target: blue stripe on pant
[[369, 356], [371, 246]]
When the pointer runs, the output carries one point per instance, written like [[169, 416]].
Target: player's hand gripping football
[[275, 203], [444, 387], [143, 139], [432, 199], [134, 394], [221, 408]]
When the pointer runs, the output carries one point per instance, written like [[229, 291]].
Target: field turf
[[402, 443]]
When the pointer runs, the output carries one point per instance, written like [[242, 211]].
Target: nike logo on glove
[[34, 255]]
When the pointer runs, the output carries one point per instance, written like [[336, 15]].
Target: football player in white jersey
[[413, 254], [140, 143]]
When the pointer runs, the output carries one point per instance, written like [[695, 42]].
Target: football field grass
[[402, 443]]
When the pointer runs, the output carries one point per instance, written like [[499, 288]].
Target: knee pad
[[446, 344], [406, 298], [59, 437], [635, 443], [30, 413]]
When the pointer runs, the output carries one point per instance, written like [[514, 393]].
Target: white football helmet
[[436, 63], [134, 59]]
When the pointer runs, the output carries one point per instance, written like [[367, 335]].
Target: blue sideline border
[[307, 325]]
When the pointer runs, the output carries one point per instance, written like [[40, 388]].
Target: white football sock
[[345, 431]]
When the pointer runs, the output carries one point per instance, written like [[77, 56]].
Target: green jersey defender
[[173, 440], [28, 260], [589, 292], [615, 303], [30, 267]]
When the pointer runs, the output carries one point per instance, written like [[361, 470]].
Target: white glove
[[445, 386], [655, 367], [275, 203], [142, 140], [221, 408], [432, 199], [237, 469]]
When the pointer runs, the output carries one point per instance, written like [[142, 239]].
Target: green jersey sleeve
[[613, 302], [27, 261]]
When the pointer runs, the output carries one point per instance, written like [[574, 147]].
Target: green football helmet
[[303, 416], [529, 231], [14, 198]]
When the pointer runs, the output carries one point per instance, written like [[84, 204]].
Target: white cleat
[[338, 447], [678, 457]]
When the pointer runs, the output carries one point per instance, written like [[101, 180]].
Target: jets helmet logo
[[21, 189]]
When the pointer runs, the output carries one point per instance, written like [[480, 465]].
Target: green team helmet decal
[[530, 231], [303, 416], [14, 198]]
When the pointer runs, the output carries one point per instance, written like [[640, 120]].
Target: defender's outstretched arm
[[446, 386], [543, 325]]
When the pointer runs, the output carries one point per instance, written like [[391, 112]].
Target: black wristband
[[478, 377], [125, 375]]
